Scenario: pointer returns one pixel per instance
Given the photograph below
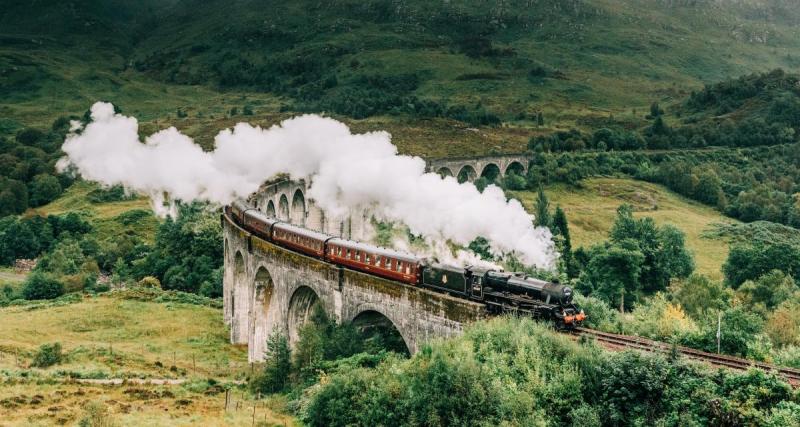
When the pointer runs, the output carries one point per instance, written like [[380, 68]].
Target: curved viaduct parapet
[[268, 288], [288, 201]]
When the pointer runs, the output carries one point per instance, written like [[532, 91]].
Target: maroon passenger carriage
[[378, 261], [258, 222], [300, 239]]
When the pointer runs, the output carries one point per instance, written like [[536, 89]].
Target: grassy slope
[[11, 278], [106, 218], [591, 211], [122, 338]]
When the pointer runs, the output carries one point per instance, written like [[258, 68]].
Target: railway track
[[617, 341]]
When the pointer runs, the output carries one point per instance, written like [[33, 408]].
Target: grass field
[[8, 275], [591, 210], [113, 336]]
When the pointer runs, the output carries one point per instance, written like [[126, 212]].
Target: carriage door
[[477, 287]]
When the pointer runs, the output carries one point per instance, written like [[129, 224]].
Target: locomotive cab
[[477, 280]]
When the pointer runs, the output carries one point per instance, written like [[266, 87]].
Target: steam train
[[501, 292]]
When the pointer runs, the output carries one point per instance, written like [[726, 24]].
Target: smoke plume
[[348, 171]]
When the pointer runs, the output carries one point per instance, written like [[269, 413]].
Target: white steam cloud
[[347, 172]]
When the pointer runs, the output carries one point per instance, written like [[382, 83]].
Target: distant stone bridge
[[469, 169]]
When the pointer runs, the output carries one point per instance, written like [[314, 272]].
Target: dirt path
[[126, 381]]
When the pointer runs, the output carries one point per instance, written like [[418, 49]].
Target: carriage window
[[369, 259], [408, 269], [399, 266], [349, 254], [387, 262], [377, 260]]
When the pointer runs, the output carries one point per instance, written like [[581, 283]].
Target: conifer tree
[[560, 227], [543, 218]]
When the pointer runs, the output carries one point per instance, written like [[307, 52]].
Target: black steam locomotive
[[501, 292]]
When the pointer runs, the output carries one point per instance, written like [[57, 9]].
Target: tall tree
[[614, 272], [542, 218], [655, 110], [277, 368], [560, 227]]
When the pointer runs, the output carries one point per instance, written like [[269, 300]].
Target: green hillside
[[453, 65]]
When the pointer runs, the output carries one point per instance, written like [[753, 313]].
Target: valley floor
[[124, 335]]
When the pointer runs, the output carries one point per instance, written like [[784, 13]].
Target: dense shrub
[[47, 355], [111, 194], [42, 286], [44, 189], [149, 282]]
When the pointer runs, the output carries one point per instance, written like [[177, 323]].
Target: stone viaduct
[[468, 169], [267, 288]]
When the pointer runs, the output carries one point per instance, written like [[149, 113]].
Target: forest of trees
[[186, 255], [703, 120], [27, 173]]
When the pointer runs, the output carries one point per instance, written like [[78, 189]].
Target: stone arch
[[444, 171], [264, 289], [298, 212], [239, 298], [515, 167], [372, 322], [467, 174], [491, 172], [302, 304], [283, 208], [271, 209]]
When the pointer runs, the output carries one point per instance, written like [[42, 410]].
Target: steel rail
[[644, 344]]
